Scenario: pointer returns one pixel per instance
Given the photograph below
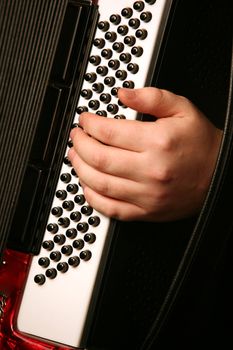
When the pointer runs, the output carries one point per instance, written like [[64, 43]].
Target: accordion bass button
[[44, 262], [62, 267], [115, 19], [67, 250], [39, 279], [52, 228], [59, 239], [79, 199], [85, 255], [51, 273], [90, 237], [48, 245], [103, 25], [64, 222], [57, 211], [118, 47], [138, 5], [72, 188], [98, 87], [134, 23], [71, 233], [150, 2], [75, 216], [94, 221], [82, 227], [146, 16], [55, 256], [127, 12], [74, 261], [78, 244]]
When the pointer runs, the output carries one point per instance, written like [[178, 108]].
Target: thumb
[[150, 100]]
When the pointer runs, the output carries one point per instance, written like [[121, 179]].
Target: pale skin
[[148, 171]]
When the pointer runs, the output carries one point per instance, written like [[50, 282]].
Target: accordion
[[71, 278]]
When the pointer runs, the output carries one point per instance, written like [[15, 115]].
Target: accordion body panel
[[44, 50], [147, 278]]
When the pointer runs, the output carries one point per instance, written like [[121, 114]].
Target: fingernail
[[128, 93]]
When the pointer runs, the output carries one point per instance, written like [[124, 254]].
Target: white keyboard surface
[[62, 279]]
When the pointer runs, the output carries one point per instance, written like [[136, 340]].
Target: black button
[[57, 211], [110, 36], [118, 47], [99, 43], [105, 98], [137, 51], [94, 104], [141, 34], [59, 239], [94, 221], [48, 245], [55, 256], [138, 5], [44, 262], [52, 228], [129, 40], [81, 109], [86, 93], [68, 205], [85, 255], [66, 177], [67, 249], [74, 261], [112, 108], [78, 244], [122, 30], [134, 23], [82, 227], [103, 25], [125, 57], [106, 53], [109, 81], [79, 199], [98, 87], [129, 84], [127, 12], [61, 194], [114, 64], [90, 77], [62, 267], [115, 19], [90, 237], [95, 60], [72, 188], [102, 70], [39, 279], [133, 68], [146, 16], [71, 233], [64, 222], [51, 273]]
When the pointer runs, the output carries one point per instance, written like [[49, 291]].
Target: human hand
[[150, 171]]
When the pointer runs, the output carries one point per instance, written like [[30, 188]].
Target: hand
[[152, 171]]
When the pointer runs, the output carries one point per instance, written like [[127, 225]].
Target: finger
[[105, 184], [115, 132], [113, 208], [106, 159], [157, 102]]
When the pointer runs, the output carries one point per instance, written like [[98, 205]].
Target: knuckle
[[160, 173], [164, 142], [108, 133], [99, 160], [102, 187]]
